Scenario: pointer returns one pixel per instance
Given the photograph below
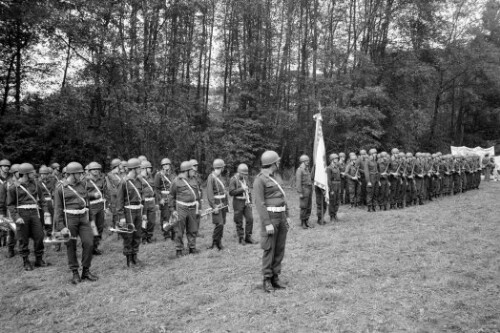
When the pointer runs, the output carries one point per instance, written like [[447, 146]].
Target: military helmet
[[362, 152], [64, 170], [394, 151], [133, 163], [124, 164], [55, 165], [5, 162], [193, 162], [115, 162], [409, 154], [14, 168], [26, 168], [418, 154], [142, 158], [186, 166], [333, 156], [94, 166], [269, 157], [73, 167], [341, 154], [401, 154], [373, 151], [243, 169], [146, 164], [384, 154], [352, 155], [304, 158], [218, 163], [86, 168], [165, 161], [43, 170]]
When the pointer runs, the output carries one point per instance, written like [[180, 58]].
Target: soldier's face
[[77, 176], [5, 168], [218, 171], [31, 175], [166, 167], [95, 173]]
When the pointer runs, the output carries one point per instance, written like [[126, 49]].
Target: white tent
[[463, 151]]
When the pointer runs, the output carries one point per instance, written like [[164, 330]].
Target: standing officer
[[47, 191], [56, 171], [24, 198], [270, 201], [411, 192], [334, 185], [184, 203], [344, 189], [71, 215], [383, 166], [4, 177], [163, 182], [130, 206], [11, 235], [242, 204], [149, 196], [113, 180], [304, 187], [352, 175], [197, 178], [419, 178], [96, 186], [372, 178], [218, 201]]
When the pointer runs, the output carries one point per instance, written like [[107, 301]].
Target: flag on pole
[[319, 158]]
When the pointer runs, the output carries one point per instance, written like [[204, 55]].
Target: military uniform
[[352, 175], [47, 192], [384, 191], [419, 180], [334, 185], [130, 206], [372, 179], [184, 198], [113, 181], [217, 197], [394, 180], [304, 188], [411, 191], [149, 196], [242, 207], [162, 184], [96, 189], [270, 202]]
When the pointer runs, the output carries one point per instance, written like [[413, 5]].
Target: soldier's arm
[[172, 196], [260, 203], [366, 171], [210, 192], [298, 180], [41, 199], [233, 187], [12, 203], [3, 199], [58, 208], [157, 186], [120, 201]]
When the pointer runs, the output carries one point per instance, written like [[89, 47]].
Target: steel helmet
[[55, 165], [26, 168], [134, 163], [384, 154], [333, 156], [86, 168], [418, 155], [373, 151], [5, 162], [94, 166], [146, 164], [362, 152], [243, 169], [269, 157], [408, 154], [401, 154], [44, 170], [14, 168], [73, 167], [124, 164], [186, 166], [64, 170], [115, 162], [165, 161], [304, 158], [341, 154], [142, 158], [352, 155], [218, 163], [194, 162], [394, 151]]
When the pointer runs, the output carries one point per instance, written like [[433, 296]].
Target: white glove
[[19, 221], [270, 229], [122, 223]]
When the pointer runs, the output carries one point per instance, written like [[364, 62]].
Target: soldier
[[4, 171], [24, 198], [149, 196], [372, 176], [4, 177], [334, 185], [218, 201], [403, 182], [56, 168], [419, 178], [113, 180], [71, 214], [304, 187], [130, 206], [352, 175], [270, 201], [383, 166], [124, 169], [47, 190], [363, 158], [184, 203], [96, 187], [11, 235], [163, 182], [487, 167], [344, 189], [242, 204], [394, 180], [411, 193], [197, 178]]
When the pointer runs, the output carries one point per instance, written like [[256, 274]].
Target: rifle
[[210, 211]]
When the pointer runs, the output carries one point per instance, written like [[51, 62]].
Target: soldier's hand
[[122, 223], [244, 187], [162, 202], [97, 195], [175, 214], [288, 223], [144, 217], [46, 214], [270, 229], [19, 221], [301, 196], [369, 184], [65, 232], [216, 210]]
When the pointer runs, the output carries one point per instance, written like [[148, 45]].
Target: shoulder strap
[[78, 195], [93, 184], [192, 190], [28, 193], [135, 188], [279, 186]]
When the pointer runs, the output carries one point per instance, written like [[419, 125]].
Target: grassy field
[[434, 268]]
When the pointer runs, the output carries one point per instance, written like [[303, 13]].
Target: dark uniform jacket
[[17, 195], [267, 194], [66, 198], [180, 191], [215, 187]]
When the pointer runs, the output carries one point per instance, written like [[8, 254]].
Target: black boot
[[76, 277], [28, 266], [275, 282], [219, 246], [369, 208], [11, 253], [133, 259], [373, 208], [86, 275], [178, 253], [39, 262], [267, 285], [96, 252], [129, 259], [385, 207], [334, 217], [306, 223], [242, 241], [193, 251], [214, 244], [250, 240]]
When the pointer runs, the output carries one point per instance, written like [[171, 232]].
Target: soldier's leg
[[238, 208], [352, 186], [279, 244], [11, 243], [180, 227], [23, 234], [137, 234], [128, 238], [320, 204], [164, 217], [87, 239], [369, 196], [36, 233], [73, 222], [249, 223], [191, 230], [99, 223]]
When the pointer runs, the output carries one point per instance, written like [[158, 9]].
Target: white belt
[[220, 196], [28, 207], [187, 204], [134, 207], [165, 192], [48, 199], [149, 199], [93, 202], [242, 198], [276, 209], [76, 211]]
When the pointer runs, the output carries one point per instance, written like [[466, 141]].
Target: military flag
[[319, 158]]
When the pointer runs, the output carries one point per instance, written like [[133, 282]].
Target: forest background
[[93, 80]]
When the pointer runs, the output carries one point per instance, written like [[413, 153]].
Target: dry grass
[[434, 268]]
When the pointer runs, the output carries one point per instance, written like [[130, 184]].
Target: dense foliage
[[92, 79]]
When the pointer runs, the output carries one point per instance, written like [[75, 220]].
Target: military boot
[[86, 275], [178, 253], [242, 241], [267, 285], [129, 259], [39, 262], [76, 277], [214, 244], [28, 266], [275, 282], [219, 245]]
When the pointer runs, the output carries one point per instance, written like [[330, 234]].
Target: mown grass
[[434, 268]]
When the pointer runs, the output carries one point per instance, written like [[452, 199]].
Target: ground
[[432, 268]]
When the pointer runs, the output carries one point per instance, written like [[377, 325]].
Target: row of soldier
[[383, 181], [73, 204]]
